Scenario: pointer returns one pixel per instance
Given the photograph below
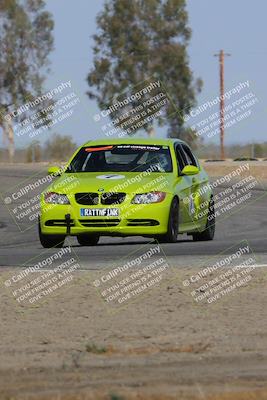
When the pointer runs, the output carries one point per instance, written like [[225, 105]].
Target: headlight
[[56, 198], [146, 198]]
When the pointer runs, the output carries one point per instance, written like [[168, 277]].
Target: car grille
[[142, 222], [112, 198], [92, 199], [87, 199], [104, 223], [58, 222]]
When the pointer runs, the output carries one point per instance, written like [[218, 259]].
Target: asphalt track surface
[[18, 245]]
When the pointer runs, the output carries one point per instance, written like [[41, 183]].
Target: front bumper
[[133, 219]]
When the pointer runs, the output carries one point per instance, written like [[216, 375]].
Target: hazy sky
[[237, 26]]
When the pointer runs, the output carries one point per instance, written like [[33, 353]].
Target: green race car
[[127, 187]]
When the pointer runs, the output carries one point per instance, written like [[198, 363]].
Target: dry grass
[[257, 169]]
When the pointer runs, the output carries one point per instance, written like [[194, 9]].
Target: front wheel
[[87, 240], [48, 241], [209, 232], [173, 224]]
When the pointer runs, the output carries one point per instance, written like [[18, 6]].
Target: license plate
[[99, 212]]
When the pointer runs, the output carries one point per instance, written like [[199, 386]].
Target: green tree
[[25, 43], [259, 150], [59, 148], [137, 42]]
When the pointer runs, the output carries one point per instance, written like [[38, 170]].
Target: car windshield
[[122, 158]]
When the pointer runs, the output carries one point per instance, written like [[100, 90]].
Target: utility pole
[[221, 56]]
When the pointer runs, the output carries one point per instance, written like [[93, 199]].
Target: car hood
[[126, 182]]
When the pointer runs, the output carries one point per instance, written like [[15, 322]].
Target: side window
[[181, 160], [190, 158]]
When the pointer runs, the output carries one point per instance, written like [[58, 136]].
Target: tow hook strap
[[67, 217]]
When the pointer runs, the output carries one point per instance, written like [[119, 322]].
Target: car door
[[198, 194], [183, 189]]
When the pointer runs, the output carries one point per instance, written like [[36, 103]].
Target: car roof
[[133, 140]]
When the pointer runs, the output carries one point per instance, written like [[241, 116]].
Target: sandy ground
[[258, 169], [164, 345]]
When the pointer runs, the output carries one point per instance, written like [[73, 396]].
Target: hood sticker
[[110, 176]]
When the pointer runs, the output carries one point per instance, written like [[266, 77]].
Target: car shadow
[[133, 243]]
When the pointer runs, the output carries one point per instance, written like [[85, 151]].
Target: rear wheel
[[48, 241], [173, 224], [87, 240], [208, 233]]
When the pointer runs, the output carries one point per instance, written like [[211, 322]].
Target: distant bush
[[59, 148], [33, 152]]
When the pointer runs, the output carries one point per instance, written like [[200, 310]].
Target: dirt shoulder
[[162, 346], [258, 169]]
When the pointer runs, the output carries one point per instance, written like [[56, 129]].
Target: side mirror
[[55, 171], [190, 170]]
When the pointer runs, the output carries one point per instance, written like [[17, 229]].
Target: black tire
[[209, 232], [48, 241], [88, 240], [173, 224]]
